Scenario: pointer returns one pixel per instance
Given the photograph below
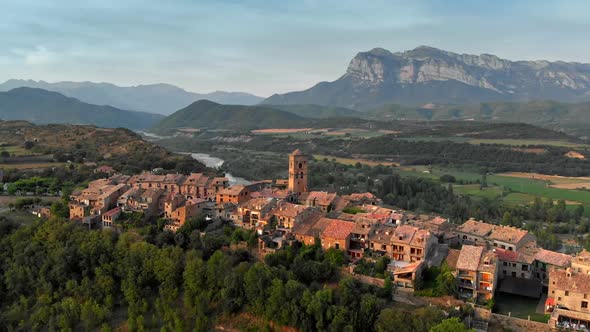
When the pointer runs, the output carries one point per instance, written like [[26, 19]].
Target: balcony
[[486, 277], [466, 283]]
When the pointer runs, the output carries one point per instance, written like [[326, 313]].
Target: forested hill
[[207, 114], [43, 107], [572, 117], [121, 148]]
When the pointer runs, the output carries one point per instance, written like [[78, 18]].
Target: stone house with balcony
[[411, 244], [287, 215], [568, 299], [380, 239], [254, 212], [477, 273]]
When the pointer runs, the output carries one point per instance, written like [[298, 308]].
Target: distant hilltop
[[430, 75]]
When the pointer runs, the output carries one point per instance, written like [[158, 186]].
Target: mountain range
[[153, 98], [42, 107], [429, 75]]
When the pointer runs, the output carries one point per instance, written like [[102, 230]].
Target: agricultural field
[[501, 141], [16, 151], [517, 189], [31, 165], [306, 133], [354, 161]]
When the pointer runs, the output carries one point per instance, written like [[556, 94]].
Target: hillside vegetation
[[120, 148], [43, 107]]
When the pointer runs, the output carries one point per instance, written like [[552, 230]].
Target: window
[[513, 264], [567, 293], [585, 296], [504, 272], [525, 267], [464, 237], [337, 245], [584, 304], [559, 298], [505, 264], [514, 274]]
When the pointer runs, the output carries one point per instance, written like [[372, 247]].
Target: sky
[[271, 46]]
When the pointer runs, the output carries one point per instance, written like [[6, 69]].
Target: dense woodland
[[407, 150], [56, 275]]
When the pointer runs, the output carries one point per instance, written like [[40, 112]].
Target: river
[[215, 162]]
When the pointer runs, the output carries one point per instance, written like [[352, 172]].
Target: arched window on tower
[[300, 165]]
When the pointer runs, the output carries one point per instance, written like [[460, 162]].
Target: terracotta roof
[[478, 228], [271, 192], [338, 229], [553, 258], [311, 227], [452, 258], [258, 203], [576, 282], [508, 234], [320, 197], [410, 268], [112, 212], [233, 190], [469, 258], [513, 256], [438, 220], [410, 235], [487, 263], [583, 258], [288, 210], [382, 234], [362, 227]]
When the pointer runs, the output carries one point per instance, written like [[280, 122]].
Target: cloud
[[37, 56]]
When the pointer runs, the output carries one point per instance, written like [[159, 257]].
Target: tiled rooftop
[[338, 229], [469, 258]]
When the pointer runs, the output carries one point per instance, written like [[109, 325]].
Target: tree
[[507, 219], [451, 325], [29, 145], [391, 320]]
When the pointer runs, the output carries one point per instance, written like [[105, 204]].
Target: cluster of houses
[[491, 258]]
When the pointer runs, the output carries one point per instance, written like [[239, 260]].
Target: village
[[485, 258]]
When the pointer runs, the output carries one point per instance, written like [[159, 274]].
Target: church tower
[[298, 172]]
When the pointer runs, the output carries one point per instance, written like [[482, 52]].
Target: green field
[[520, 190], [16, 151], [512, 142]]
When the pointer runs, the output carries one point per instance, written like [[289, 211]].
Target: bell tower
[[298, 172]]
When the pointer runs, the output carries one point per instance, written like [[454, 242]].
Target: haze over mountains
[[153, 98], [43, 107], [429, 75]]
